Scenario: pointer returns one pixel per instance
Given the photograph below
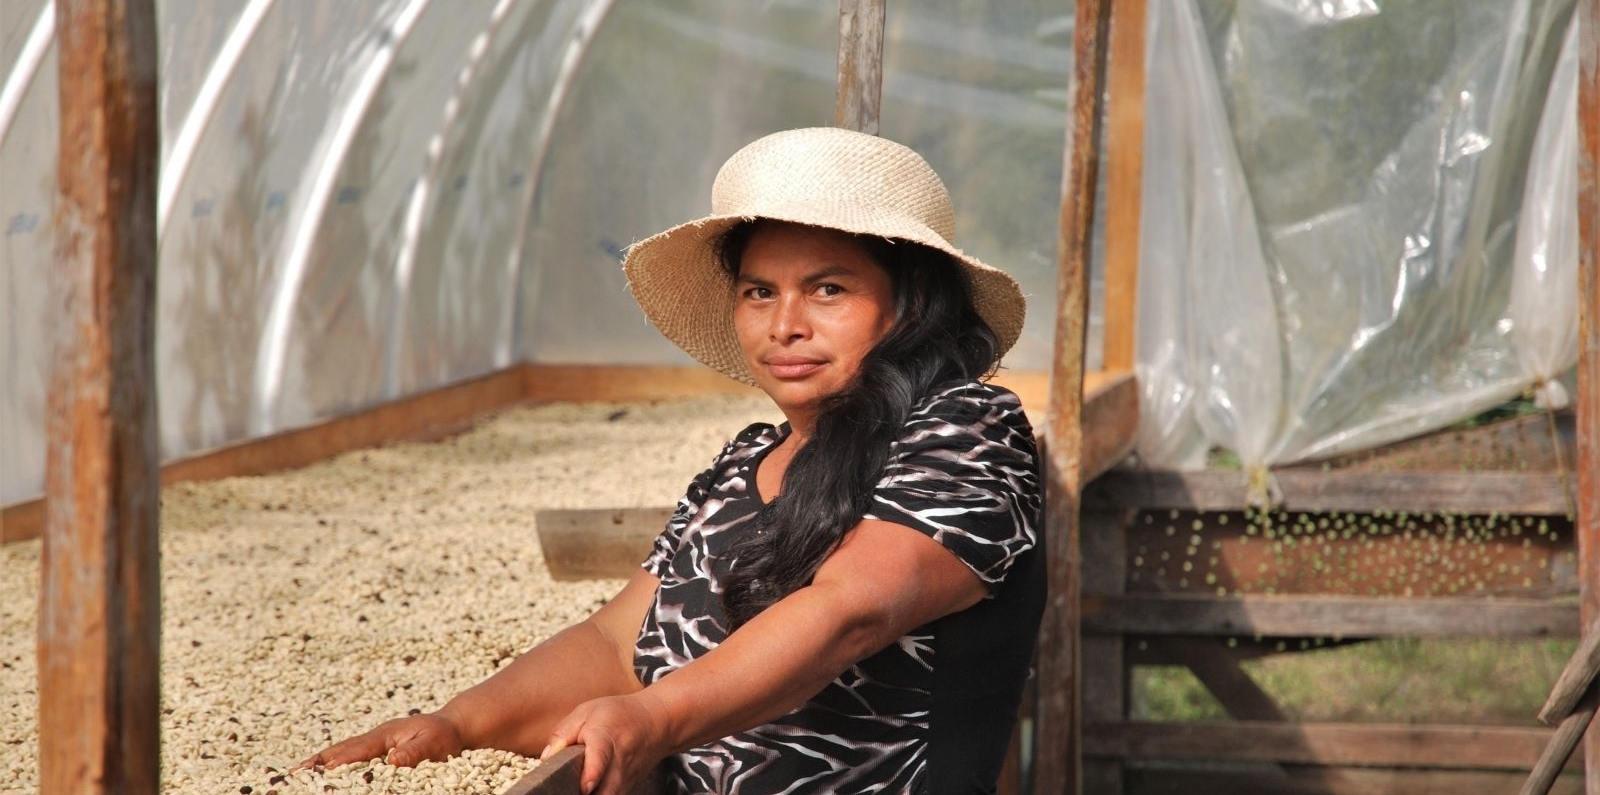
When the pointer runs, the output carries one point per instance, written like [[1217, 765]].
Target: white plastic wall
[[364, 199], [1359, 222]]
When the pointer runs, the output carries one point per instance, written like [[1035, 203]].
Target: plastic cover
[[1338, 209], [366, 199]]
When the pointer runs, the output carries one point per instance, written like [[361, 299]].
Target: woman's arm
[[516, 708], [882, 582]]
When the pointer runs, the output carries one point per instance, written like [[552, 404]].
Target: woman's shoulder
[[965, 402]]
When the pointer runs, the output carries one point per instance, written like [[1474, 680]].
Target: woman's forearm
[[516, 707], [883, 582]]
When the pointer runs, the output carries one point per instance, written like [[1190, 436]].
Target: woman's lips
[[788, 369]]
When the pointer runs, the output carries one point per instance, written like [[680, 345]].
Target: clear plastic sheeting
[[364, 199], [1333, 210], [669, 90]]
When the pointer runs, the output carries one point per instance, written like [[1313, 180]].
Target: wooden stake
[[1560, 747], [1588, 404], [1058, 752], [860, 92], [99, 607], [1124, 181]]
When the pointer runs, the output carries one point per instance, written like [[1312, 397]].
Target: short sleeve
[[964, 472], [670, 539]]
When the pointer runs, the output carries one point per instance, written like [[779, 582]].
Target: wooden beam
[[1327, 616], [597, 543], [100, 605], [1058, 760], [1355, 744], [1503, 493], [1392, 555], [560, 775], [1588, 402], [1209, 778], [1109, 422], [1124, 176], [860, 94]]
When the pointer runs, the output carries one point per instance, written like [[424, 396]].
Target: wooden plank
[[1105, 672], [1110, 424], [1217, 667], [560, 775], [585, 383], [1124, 174], [1575, 678], [1058, 731], [1545, 442], [100, 603], [1327, 616], [1259, 779], [1354, 744], [22, 521], [860, 93], [1521, 493], [598, 543], [1340, 554], [1588, 401]]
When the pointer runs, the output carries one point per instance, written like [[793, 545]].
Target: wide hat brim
[[824, 177]]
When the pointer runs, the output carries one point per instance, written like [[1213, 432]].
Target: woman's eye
[[760, 293], [830, 290]]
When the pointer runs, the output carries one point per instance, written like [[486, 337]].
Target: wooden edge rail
[[1357, 744], [455, 407], [1327, 616], [1515, 493], [1575, 679], [560, 775]]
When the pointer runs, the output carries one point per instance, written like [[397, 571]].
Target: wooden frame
[[100, 604], [1108, 612]]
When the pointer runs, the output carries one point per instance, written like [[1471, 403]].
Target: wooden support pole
[[1588, 404], [1058, 752], [860, 92], [1124, 181], [99, 607]]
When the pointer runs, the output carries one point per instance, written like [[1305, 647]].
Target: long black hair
[[937, 337]]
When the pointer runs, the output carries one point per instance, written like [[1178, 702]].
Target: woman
[[845, 602]]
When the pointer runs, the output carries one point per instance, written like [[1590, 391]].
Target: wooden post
[[1588, 408], [1124, 181], [99, 607], [1058, 751], [860, 65]]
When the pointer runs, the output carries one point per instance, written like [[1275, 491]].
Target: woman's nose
[[789, 320]]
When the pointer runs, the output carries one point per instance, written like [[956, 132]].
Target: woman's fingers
[[405, 742], [619, 743], [360, 748]]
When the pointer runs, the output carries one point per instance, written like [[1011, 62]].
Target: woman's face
[[808, 305]]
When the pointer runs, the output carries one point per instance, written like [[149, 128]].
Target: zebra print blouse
[[929, 714]]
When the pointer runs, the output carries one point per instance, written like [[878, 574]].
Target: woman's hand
[[623, 738], [403, 742]]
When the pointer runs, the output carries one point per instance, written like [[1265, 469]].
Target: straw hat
[[825, 176]]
